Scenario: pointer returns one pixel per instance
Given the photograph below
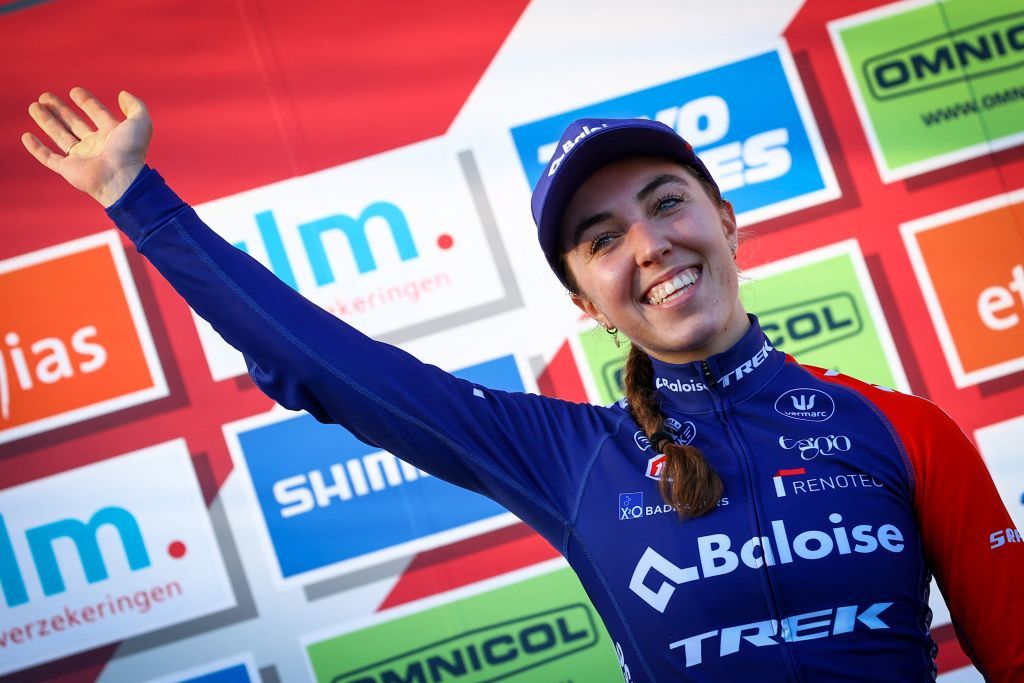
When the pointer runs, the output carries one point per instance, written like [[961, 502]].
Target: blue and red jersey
[[842, 499]]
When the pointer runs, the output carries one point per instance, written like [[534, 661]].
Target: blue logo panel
[[234, 674], [741, 118], [327, 497]]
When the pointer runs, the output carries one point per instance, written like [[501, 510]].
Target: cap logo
[[569, 144]]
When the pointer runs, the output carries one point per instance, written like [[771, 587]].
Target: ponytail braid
[[688, 482]]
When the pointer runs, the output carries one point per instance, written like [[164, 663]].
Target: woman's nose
[[650, 243]]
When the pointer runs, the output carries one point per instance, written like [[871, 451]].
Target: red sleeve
[[970, 542]]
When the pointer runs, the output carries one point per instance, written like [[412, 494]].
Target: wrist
[[114, 188]]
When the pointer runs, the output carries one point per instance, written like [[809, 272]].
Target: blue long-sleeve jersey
[[841, 498]]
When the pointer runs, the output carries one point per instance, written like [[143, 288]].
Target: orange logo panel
[[70, 337], [976, 265]]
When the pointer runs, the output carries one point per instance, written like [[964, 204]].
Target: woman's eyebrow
[[586, 223], [656, 182]]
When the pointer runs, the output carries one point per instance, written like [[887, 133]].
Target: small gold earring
[[614, 331]]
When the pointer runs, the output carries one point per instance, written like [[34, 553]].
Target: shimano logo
[[556, 162], [769, 632], [747, 367], [811, 405], [813, 446], [679, 386], [717, 557]]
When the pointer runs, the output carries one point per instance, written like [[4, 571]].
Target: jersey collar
[[736, 373]]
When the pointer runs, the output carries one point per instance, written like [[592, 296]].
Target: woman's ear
[[589, 309]]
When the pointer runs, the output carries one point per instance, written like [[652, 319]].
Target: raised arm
[[525, 451]]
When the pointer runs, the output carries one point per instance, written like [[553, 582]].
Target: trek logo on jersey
[[332, 485], [404, 247], [717, 557], [812, 405], [762, 147], [811, 447], [121, 547], [797, 481], [746, 367], [808, 626], [74, 342]]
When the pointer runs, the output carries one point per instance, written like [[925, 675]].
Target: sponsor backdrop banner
[[161, 520]]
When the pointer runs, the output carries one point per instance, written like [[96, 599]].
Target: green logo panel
[[818, 313], [606, 362], [937, 79], [541, 629]]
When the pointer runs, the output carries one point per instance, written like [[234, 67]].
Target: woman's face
[[653, 255]]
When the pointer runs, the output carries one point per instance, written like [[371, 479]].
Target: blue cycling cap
[[586, 146]]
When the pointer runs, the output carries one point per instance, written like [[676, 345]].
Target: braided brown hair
[[688, 482]]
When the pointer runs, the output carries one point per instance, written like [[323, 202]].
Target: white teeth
[[674, 288]]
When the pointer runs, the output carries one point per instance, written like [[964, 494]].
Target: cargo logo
[[509, 633], [800, 483], [332, 484], [922, 75], [762, 148], [811, 324], [812, 446], [399, 266], [969, 262], [812, 405], [143, 558], [74, 343]]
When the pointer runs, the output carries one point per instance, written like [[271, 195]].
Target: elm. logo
[[812, 405], [401, 244]]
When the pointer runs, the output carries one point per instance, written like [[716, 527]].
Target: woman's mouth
[[670, 290]]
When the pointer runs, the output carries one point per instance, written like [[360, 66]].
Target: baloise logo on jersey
[[314, 482], [398, 244], [760, 144], [105, 552]]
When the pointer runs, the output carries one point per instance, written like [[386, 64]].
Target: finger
[[52, 126], [100, 115], [41, 152], [132, 106], [66, 114]]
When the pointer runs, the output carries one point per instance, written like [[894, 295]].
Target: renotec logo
[[70, 353], [717, 557], [122, 547]]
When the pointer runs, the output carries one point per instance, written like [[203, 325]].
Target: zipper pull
[[708, 375]]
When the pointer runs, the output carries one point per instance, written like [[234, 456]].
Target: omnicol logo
[[969, 262], [401, 244], [934, 82], [73, 342], [122, 547], [511, 633]]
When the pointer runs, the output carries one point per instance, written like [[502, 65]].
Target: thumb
[[132, 106]]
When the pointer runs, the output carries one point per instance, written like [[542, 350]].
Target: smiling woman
[[766, 563]]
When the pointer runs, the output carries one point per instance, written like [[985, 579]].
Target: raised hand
[[100, 157]]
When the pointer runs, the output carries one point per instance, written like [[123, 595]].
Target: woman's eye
[[668, 202], [600, 242]]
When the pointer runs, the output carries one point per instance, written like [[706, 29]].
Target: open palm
[[100, 157]]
